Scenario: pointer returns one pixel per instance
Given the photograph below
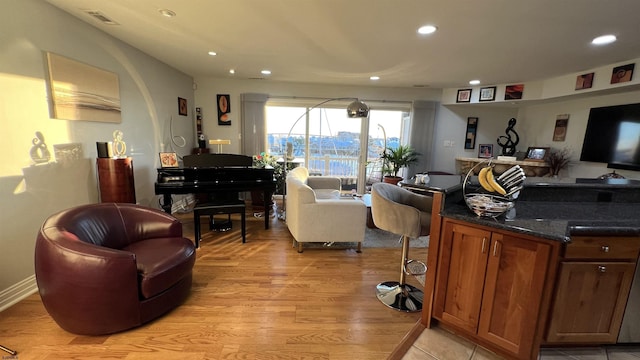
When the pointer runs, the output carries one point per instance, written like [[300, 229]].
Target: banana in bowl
[[493, 196]]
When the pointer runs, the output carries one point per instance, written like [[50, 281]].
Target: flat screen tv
[[613, 137]]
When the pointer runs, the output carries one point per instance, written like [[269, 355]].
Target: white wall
[[208, 88], [28, 193], [538, 123], [451, 126]]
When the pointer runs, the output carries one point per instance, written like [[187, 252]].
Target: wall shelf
[[531, 168]]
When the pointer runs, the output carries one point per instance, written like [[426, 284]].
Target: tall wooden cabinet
[[490, 285], [591, 293], [115, 178]]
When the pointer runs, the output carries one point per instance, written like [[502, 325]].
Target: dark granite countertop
[[560, 210], [441, 183]]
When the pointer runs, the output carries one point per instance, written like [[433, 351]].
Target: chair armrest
[[422, 202], [331, 220]]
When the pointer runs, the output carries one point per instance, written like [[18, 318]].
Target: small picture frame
[[485, 151], [487, 93], [182, 106], [514, 92], [560, 131], [168, 159], [622, 73], [535, 153], [464, 96], [584, 81]]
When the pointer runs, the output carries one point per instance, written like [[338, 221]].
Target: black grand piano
[[216, 176]]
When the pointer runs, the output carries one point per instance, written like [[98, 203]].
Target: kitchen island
[[557, 269]]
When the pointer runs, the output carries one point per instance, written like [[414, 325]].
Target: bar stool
[[225, 207], [408, 214]]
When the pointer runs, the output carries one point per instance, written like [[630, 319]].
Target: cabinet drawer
[[596, 247]]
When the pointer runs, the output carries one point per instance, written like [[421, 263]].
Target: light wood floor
[[259, 300]]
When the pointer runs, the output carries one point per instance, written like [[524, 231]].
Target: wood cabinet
[[490, 285], [592, 289], [115, 177]]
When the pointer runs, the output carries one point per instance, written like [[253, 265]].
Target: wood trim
[[407, 341], [432, 258]]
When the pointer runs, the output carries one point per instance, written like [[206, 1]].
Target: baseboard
[[17, 292]]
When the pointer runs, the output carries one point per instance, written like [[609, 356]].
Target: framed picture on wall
[[485, 151], [487, 93], [470, 136], [514, 92], [584, 81], [622, 74], [224, 109], [464, 95], [182, 106]]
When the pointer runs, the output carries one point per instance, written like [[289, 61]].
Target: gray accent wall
[[150, 122]]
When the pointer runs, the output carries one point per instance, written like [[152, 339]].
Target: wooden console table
[[531, 168]]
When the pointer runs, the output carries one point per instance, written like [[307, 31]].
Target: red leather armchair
[[104, 268]]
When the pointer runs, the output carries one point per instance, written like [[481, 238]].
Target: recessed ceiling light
[[232, 71], [266, 72], [474, 82], [374, 78], [604, 39], [427, 29], [212, 53], [166, 12]]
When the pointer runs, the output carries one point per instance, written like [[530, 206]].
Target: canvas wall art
[[82, 92]]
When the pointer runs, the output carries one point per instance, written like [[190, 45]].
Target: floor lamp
[[356, 109]]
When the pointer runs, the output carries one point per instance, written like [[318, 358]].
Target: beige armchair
[[316, 213], [408, 214]]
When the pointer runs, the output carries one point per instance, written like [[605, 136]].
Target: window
[[328, 143]]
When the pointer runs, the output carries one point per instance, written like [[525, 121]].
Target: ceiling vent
[[101, 17]]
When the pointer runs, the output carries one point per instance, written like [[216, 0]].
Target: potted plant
[[264, 160], [395, 159]]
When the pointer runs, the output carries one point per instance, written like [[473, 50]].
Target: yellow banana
[[482, 178], [494, 184]]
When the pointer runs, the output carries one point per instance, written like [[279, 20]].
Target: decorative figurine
[[39, 152], [119, 147], [509, 145]]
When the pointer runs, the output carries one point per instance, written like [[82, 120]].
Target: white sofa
[[316, 213]]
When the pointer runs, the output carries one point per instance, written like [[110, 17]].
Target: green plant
[[398, 158], [264, 160]]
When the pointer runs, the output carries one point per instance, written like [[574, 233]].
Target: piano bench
[[210, 209]]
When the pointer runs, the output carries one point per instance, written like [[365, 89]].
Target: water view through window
[[328, 143]]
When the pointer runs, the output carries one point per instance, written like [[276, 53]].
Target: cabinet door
[[516, 271], [589, 302], [461, 271]]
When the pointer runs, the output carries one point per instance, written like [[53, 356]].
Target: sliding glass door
[[328, 143]]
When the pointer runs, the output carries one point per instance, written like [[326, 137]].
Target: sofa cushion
[[162, 263], [327, 194]]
